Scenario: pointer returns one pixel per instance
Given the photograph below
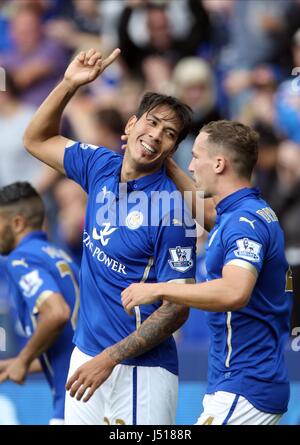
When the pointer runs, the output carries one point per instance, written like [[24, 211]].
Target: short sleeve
[[245, 239], [33, 282], [175, 249], [84, 162]]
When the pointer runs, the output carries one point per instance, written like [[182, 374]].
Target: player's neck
[[227, 188], [23, 234], [130, 171]]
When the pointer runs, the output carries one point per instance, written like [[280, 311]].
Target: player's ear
[[18, 224], [219, 164], [130, 124]]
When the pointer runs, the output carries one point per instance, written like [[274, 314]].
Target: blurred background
[[233, 59]]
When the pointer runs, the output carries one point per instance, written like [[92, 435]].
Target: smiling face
[[152, 138]]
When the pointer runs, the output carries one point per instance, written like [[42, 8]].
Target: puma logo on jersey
[[243, 219], [103, 234]]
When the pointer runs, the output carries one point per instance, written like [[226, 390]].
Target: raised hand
[[87, 66]]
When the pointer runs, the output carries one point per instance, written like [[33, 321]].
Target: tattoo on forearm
[[160, 325]]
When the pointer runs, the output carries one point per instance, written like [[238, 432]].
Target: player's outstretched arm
[[42, 137], [53, 315], [229, 293], [161, 324]]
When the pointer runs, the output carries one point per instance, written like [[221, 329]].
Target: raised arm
[[196, 203], [42, 137], [161, 324]]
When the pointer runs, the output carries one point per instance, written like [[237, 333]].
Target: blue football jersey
[[36, 269], [121, 248], [247, 345]]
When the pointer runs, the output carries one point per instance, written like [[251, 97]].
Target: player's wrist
[[111, 357], [69, 85], [25, 358], [158, 291]]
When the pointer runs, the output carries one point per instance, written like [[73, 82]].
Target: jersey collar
[[230, 200], [143, 183], [36, 234]]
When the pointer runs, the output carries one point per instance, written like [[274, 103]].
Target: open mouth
[[148, 148]]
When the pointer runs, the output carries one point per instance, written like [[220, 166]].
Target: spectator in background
[[288, 98], [110, 127], [157, 72], [291, 24], [101, 125], [35, 62], [79, 27], [256, 31], [193, 82], [71, 202], [285, 200], [260, 107], [160, 39], [265, 172], [260, 23], [15, 163]]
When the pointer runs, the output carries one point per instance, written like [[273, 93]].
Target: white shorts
[[226, 408], [55, 421], [132, 395]]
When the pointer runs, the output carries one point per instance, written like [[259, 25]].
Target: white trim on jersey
[[244, 265], [183, 281], [229, 338], [145, 277]]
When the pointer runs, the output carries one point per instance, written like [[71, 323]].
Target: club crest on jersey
[[134, 220], [181, 258], [30, 283], [248, 249]]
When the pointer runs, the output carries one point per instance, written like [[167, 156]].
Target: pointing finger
[[111, 58]]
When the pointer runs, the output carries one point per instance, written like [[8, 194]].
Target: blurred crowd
[[237, 59]]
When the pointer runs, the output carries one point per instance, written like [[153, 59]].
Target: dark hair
[[239, 140], [22, 198], [182, 111]]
